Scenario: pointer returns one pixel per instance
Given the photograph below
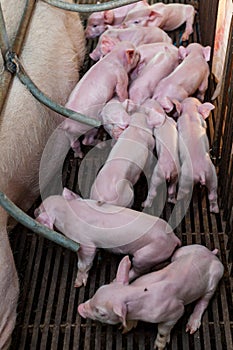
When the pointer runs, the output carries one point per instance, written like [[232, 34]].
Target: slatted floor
[[47, 310]]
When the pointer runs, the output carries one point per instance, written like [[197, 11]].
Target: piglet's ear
[[46, 220], [69, 195], [205, 109], [107, 44], [153, 15], [129, 55], [121, 311], [206, 53], [108, 16], [182, 52], [123, 271]]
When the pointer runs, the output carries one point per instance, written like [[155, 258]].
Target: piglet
[[159, 297], [190, 76], [147, 52], [160, 66], [127, 159], [98, 21], [97, 86], [165, 16], [137, 36], [194, 146], [167, 167], [149, 239], [115, 117]]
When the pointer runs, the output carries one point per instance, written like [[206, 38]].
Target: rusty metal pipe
[[36, 227], [89, 7]]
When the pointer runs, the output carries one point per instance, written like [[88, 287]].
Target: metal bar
[[17, 46], [4, 40], [13, 64], [89, 7], [32, 224]]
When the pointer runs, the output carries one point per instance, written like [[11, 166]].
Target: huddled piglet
[[107, 77], [167, 168], [52, 54], [192, 134], [137, 36], [189, 77], [127, 159], [159, 67], [147, 52], [98, 22], [114, 117], [150, 240], [159, 297], [165, 16]]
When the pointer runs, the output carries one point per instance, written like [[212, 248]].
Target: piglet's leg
[[194, 321], [202, 88], [164, 330], [190, 13], [86, 256], [156, 180], [211, 184]]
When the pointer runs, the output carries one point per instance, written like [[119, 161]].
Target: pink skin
[[136, 36], [98, 21], [168, 165], [176, 85], [149, 239], [147, 52], [115, 118], [128, 157], [159, 297], [192, 134], [106, 78], [52, 51], [165, 16], [160, 66]]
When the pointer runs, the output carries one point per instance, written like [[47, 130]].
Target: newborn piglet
[[148, 239], [127, 159], [159, 297]]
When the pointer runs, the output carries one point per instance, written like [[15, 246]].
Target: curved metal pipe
[[32, 224], [6, 77], [89, 7], [13, 65]]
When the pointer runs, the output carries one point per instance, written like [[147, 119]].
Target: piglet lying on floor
[[98, 21], [136, 36], [159, 67], [159, 297], [115, 117], [106, 78], [165, 16], [149, 239], [196, 165], [189, 77], [127, 159], [167, 167]]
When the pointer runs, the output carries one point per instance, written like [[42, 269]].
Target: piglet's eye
[[94, 25], [136, 21]]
